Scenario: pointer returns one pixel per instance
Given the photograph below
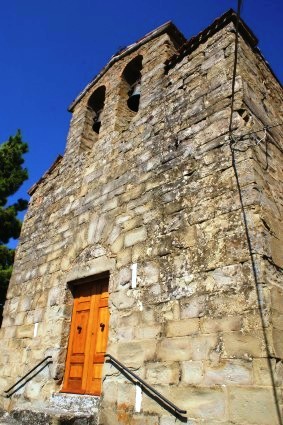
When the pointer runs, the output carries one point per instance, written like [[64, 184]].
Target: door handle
[[102, 326], [79, 329]]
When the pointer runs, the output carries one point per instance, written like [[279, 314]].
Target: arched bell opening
[[93, 118], [129, 94], [95, 106], [132, 76]]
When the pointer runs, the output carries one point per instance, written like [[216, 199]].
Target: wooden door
[[88, 339]]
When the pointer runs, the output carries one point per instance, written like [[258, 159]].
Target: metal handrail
[[27, 374], [146, 385]]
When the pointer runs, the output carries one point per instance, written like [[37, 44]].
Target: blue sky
[[51, 49]]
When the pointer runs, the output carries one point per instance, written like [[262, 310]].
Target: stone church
[[147, 287]]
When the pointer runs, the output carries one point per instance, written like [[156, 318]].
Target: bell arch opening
[[93, 118], [95, 106], [129, 93], [132, 76]]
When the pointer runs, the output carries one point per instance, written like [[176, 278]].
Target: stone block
[[182, 327], [135, 236], [188, 236], [95, 266], [138, 252], [266, 372], [25, 303], [252, 405], [19, 319], [33, 389], [140, 419], [192, 372], [162, 373], [237, 344], [124, 258], [122, 300], [186, 348], [151, 273], [135, 353], [125, 334], [133, 223], [110, 204], [12, 305], [129, 319], [277, 299], [25, 331], [126, 394], [108, 416], [114, 234], [124, 277], [170, 420], [118, 244], [277, 320], [148, 332], [229, 372], [10, 332], [55, 296], [223, 324], [278, 342], [203, 404], [147, 315], [194, 306]]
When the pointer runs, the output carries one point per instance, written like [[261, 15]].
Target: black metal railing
[[148, 389], [28, 376]]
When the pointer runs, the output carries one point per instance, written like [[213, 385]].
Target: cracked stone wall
[[161, 193]]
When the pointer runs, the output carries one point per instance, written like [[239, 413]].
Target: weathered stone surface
[[228, 373], [133, 353], [135, 236], [201, 403], [162, 373], [259, 401], [210, 325], [182, 327], [186, 348], [192, 372], [240, 345]]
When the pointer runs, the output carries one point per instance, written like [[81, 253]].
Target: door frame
[[88, 279], [71, 286]]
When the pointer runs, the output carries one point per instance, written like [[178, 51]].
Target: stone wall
[[161, 193]]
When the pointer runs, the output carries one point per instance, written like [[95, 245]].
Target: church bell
[[134, 97], [97, 121]]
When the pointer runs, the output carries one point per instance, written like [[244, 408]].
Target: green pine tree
[[12, 175]]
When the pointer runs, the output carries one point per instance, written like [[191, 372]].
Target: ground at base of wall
[[28, 417]]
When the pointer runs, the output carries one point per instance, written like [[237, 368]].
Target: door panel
[[88, 339], [81, 322], [101, 341]]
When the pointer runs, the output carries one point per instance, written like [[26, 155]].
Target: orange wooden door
[[88, 339]]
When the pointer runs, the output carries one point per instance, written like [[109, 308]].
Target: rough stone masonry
[[198, 212]]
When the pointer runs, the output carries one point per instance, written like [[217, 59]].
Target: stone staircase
[[63, 409]]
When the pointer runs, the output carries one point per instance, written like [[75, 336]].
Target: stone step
[[6, 419], [48, 417], [75, 403], [63, 409]]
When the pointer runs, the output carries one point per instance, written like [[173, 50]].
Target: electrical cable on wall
[[232, 141], [265, 127], [242, 138], [235, 64]]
